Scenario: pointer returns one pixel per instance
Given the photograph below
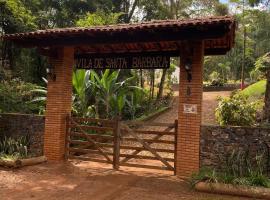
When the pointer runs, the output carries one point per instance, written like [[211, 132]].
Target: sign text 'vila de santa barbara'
[[123, 62]]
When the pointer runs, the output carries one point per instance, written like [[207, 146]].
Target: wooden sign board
[[123, 62]]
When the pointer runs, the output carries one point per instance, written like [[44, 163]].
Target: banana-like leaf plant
[[111, 92]]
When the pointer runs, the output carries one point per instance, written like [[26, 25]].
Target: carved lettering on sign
[[125, 62]]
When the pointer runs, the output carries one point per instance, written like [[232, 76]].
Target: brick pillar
[[189, 122], [58, 106]]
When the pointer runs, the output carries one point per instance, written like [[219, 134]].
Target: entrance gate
[[132, 144]]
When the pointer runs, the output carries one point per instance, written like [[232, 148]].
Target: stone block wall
[[217, 142], [14, 125]]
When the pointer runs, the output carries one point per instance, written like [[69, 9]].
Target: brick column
[[189, 123], [58, 106]]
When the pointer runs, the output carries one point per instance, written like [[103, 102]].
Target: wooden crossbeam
[[136, 152], [92, 141], [146, 146]]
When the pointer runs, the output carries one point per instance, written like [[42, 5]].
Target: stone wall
[[217, 143], [14, 125]]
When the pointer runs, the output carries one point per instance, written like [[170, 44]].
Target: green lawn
[[256, 90]]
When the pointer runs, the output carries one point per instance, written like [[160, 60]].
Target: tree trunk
[[161, 85], [153, 84], [267, 98], [141, 78]]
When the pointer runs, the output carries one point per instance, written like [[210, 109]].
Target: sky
[[224, 1]]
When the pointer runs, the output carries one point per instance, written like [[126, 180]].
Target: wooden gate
[[122, 143], [149, 141], [91, 139]]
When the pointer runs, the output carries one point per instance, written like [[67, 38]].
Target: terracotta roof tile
[[124, 27]]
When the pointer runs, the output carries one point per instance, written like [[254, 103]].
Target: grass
[[6, 157], [211, 176], [256, 90]]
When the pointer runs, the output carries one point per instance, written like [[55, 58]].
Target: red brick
[[58, 104], [189, 124]]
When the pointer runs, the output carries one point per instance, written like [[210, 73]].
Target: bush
[[16, 96], [215, 79], [205, 174], [236, 111], [14, 147]]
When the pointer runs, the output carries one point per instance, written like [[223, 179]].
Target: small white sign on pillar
[[190, 108]]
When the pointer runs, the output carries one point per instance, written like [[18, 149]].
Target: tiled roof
[[159, 24]]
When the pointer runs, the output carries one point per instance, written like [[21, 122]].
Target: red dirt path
[[209, 106], [87, 180], [84, 181]]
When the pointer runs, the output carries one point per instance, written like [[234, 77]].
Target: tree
[[98, 18], [225, 69], [263, 64]]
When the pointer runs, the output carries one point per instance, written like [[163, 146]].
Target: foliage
[[16, 96], [255, 91], [99, 18], [257, 25], [243, 163], [14, 147], [256, 75], [236, 111], [16, 15], [212, 176], [215, 79], [205, 174], [112, 93], [263, 63], [238, 168], [81, 83]]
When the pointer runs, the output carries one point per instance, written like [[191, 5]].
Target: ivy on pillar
[[59, 102], [190, 108]]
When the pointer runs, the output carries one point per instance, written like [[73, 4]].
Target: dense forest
[[24, 70], [252, 39]]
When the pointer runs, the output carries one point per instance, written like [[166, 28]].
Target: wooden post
[[175, 144], [116, 149]]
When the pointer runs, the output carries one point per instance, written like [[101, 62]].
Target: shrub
[[236, 111], [16, 96], [14, 147], [205, 174], [256, 75], [212, 176], [215, 79], [240, 167]]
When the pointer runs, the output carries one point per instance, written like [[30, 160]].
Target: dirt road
[[81, 181], [209, 106], [94, 181]]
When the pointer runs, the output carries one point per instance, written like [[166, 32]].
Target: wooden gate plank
[[92, 141], [138, 151], [116, 149], [147, 146], [175, 145]]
